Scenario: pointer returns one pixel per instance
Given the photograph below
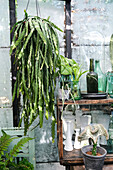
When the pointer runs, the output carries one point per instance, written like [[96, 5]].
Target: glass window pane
[[4, 24], [5, 62], [92, 29], [5, 82]]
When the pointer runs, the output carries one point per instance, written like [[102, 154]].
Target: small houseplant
[[36, 48], [70, 75], [93, 155]]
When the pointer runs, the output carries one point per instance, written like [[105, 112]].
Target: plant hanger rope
[[37, 7], [27, 5]]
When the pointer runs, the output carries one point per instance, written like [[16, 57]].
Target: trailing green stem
[[94, 150], [36, 48]]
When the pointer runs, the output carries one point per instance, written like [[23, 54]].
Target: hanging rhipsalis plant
[[36, 48]]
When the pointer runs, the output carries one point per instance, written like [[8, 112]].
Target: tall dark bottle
[[92, 79]]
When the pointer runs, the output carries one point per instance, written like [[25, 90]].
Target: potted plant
[[70, 75], [36, 48], [93, 155]]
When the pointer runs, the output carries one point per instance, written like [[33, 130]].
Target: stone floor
[[57, 166], [106, 167], [50, 166]]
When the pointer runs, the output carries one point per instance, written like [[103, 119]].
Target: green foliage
[[70, 73], [71, 67], [94, 150], [36, 47], [23, 165], [6, 158], [5, 141]]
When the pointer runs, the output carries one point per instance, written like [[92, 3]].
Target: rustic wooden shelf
[[88, 101], [74, 157]]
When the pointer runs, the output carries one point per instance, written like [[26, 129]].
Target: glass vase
[[75, 90]]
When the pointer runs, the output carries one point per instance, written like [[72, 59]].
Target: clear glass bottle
[[92, 79], [110, 140], [101, 77]]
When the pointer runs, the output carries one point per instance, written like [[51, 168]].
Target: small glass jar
[[75, 91]]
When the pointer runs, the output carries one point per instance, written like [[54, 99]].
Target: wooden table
[[73, 159]]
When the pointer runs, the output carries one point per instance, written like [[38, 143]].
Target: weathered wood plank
[[16, 113], [88, 102], [82, 167]]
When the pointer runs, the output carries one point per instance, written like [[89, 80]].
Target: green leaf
[[19, 22], [25, 44], [37, 27], [5, 141], [22, 34]]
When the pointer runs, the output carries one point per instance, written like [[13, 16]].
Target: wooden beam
[[67, 168], [13, 67], [68, 28]]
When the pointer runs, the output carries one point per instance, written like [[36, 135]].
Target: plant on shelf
[[70, 75], [36, 48], [7, 156], [93, 155]]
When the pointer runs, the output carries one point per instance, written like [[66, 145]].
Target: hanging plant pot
[[36, 48]]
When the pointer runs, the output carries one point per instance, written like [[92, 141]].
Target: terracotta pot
[[93, 162]]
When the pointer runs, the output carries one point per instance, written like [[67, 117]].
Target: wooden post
[[13, 67], [68, 167], [68, 28], [68, 35]]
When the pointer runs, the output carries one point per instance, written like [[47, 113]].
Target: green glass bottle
[[92, 79], [110, 140], [101, 77], [110, 84]]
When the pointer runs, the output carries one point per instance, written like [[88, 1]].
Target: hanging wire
[[37, 8], [27, 5]]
